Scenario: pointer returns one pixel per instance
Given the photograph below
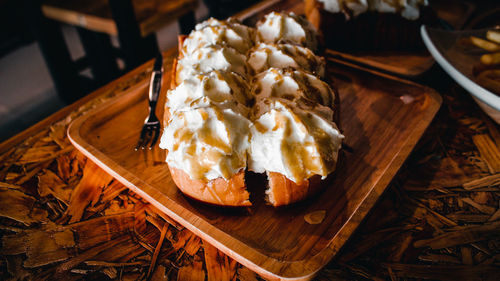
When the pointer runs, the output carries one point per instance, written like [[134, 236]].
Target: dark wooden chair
[[134, 22]]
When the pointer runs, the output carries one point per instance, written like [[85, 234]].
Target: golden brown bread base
[[282, 191], [219, 191]]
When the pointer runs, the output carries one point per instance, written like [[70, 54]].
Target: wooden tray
[[382, 117], [407, 64]]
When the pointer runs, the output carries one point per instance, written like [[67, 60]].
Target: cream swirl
[[409, 9], [218, 87], [214, 32], [264, 56], [292, 85], [207, 142], [208, 58], [293, 141], [287, 28]]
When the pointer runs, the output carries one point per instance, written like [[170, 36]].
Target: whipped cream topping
[[384, 6], [208, 58], [409, 9], [355, 7], [219, 124], [207, 142], [287, 28], [264, 56], [224, 33], [293, 85], [293, 141], [217, 87]]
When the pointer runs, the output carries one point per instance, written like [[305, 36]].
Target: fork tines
[[149, 135]]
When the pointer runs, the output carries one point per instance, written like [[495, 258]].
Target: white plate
[[458, 60]]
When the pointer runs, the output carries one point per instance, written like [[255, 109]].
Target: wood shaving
[[315, 217]]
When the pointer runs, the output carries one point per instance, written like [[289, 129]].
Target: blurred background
[[51, 51]]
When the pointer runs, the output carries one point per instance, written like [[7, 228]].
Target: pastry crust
[[283, 191], [219, 191]]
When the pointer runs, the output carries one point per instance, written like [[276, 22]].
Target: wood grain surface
[[382, 117]]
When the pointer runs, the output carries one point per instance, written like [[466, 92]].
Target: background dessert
[[370, 24]]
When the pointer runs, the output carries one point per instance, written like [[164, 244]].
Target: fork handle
[[154, 90]]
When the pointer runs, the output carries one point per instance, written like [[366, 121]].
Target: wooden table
[[63, 218]]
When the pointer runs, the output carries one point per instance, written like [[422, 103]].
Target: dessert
[[250, 100], [370, 24]]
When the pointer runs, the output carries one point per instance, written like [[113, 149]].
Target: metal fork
[[151, 129]]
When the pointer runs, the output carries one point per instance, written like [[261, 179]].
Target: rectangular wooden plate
[[407, 64], [382, 118]]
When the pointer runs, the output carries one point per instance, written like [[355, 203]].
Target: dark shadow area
[[28, 115], [222, 9], [14, 31]]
